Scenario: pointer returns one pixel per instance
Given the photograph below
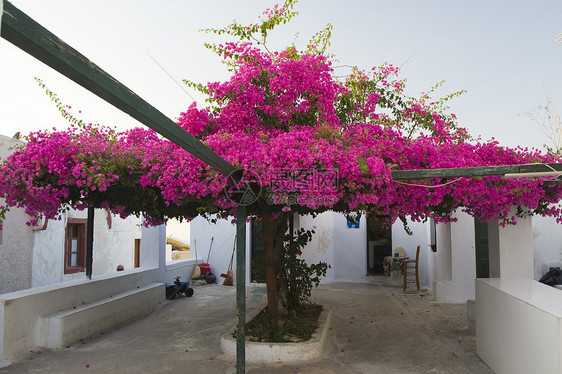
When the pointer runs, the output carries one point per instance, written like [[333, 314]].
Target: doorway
[[379, 243], [257, 263], [482, 249], [136, 258]]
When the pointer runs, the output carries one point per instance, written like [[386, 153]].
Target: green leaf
[[363, 165]]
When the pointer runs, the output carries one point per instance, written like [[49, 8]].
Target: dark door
[[379, 243], [257, 263], [482, 249]]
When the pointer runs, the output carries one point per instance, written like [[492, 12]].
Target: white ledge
[[531, 292]]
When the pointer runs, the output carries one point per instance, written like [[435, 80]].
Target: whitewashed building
[[47, 301], [451, 257], [54, 304], [55, 250]]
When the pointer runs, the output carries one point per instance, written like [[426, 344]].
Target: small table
[[393, 265]]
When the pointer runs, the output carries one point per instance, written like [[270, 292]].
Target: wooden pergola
[[22, 31], [508, 171], [28, 35]]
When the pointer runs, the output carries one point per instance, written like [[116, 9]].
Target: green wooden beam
[[454, 172], [512, 171], [540, 168], [22, 31]]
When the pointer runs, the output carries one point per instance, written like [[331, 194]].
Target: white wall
[[32, 257], [153, 255], [449, 272], [112, 247], [349, 247], [150, 246], [116, 245], [513, 247], [223, 231], [343, 249], [15, 252], [322, 247], [219, 254], [48, 255], [16, 240], [441, 260], [455, 260], [521, 250], [547, 242], [326, 245]]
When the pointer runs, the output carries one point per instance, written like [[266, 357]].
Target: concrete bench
[[59, 329], [519, 326]]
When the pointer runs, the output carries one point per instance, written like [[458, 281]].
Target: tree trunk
[[273, 232], [282, 286], [270, 269]]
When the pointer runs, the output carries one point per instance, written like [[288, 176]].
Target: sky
[[502, 52]]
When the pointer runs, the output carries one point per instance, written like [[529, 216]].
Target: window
[[75, 246]]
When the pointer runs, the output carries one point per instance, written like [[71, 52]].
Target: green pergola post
[[241, 289], [26, 34]]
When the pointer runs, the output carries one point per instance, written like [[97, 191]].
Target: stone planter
[[281, 352]]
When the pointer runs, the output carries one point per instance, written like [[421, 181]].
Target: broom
[[229, 276], [197, 270]]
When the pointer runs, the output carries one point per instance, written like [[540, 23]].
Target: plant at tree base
[[312, 143], [300, 276]]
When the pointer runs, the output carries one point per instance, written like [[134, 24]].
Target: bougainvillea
[[306, 140], [280, 117]]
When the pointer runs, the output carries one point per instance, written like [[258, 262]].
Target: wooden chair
[[410, 270]]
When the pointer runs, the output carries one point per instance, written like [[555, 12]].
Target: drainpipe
[[89, 242]]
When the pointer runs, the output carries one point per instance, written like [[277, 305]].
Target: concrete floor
[[377, 329]]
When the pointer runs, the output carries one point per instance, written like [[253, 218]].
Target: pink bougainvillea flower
[[302, 141]]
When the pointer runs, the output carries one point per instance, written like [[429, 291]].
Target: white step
[[62, 328]]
